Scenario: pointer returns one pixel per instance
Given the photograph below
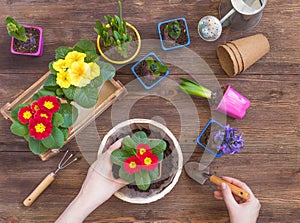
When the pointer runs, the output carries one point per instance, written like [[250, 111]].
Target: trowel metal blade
[[195, 171]]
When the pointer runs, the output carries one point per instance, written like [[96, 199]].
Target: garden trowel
[[200, 174]]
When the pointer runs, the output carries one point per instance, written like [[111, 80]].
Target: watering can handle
[[227, 15], [39, 189], [234, 189]]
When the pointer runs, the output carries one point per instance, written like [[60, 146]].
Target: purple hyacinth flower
[[228, 141]]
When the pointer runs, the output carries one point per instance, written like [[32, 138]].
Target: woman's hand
[[240, 211], [98, 186]]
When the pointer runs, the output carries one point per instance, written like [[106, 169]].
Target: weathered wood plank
[[18, 180]]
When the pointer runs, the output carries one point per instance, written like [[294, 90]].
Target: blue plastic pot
[[163, 45], [211, 150], [158, 79]]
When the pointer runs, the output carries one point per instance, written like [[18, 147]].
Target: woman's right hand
[[240, 211]]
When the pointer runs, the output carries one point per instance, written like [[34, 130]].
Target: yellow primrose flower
[[74, 56], [94, 71], [60, 65], [63, 79], [78, 72]]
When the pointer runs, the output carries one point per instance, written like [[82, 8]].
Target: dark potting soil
[[167, 166], [142, 71], [112, 51], [27, 47], [211, 130], [181, 39]]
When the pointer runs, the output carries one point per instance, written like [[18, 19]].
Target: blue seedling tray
[[148, 86], [161, 35], [212, 151]]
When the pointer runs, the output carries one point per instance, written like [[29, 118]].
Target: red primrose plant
[[139, 159]]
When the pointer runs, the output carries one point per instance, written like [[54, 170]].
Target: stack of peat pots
[[238, 55]]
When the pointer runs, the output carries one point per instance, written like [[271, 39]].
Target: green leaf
[[149, 60], [126, 176], [62, 51], [44, 92], [143, 179], [57, 119], [91, 57], [97, 82], [35, 97], [128, 142], [15, 111], [84, 46], [69, 92], [69, 113], [117, 35], [36, 146], [19, 129], [140, 138], [59, 92], [52, 70], [158, 146], [55, 140], [118, 156], [154, 174], [86, 97], [65, 132], [107, 70], [50, 81], [140, 134], [140, 141], [160, 157], [163, 68]]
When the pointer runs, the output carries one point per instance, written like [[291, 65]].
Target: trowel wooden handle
[[234, 189], [39, 189]]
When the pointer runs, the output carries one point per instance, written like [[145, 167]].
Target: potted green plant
[[118, 41], [150, 70], [150, 159], [228, 101], [26, 40], [44, 123], [174, 34], [220, 139], [138, 159], [77, 74]]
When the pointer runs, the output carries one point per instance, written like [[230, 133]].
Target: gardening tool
[[200, 174], [63, 163], [210, 27]]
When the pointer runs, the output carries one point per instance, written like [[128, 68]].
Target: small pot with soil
[[26, 40], [150, 159], [150, 70], [226, 100], [219, 139], [174, 34]]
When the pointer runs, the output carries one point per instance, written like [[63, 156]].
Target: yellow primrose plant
[[77, 73]]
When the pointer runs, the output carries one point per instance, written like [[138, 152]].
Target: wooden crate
[[109, 92]]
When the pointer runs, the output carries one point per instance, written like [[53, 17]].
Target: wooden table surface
[[270, 162]]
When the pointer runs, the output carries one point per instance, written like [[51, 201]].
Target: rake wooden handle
[[234, 189], [39, 189]]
